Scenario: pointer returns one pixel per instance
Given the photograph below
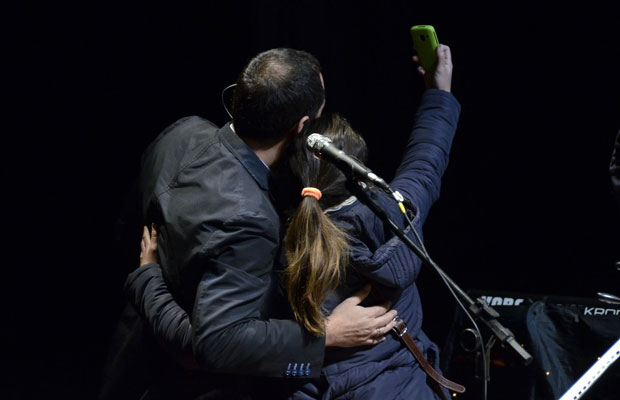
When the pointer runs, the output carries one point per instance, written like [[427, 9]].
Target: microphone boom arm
[[480, 309]]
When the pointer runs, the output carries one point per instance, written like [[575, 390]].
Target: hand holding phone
[[435, 64], [425, 43]]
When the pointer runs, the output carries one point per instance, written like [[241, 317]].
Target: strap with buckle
[[401, 331]]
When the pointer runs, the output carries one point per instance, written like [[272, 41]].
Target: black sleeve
[[426, 155], [228, 333], [149, 294]]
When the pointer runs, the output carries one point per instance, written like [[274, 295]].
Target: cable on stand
[[476, 310]]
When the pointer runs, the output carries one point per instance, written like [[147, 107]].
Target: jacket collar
[[246, 156]]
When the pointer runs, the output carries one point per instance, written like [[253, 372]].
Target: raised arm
[[427, 151], [419, 175]]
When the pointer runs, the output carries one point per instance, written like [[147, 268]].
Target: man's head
[[274, 92]]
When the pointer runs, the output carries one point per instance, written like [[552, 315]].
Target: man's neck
[[268, 153]]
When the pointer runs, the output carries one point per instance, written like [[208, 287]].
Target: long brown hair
[[316, 249]]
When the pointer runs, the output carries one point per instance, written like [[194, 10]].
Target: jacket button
[[288, 370]]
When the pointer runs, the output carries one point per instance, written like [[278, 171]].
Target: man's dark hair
[[275, 90]]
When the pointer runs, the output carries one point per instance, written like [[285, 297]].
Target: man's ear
[[300, 124]]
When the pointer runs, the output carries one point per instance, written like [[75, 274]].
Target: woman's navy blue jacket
[[386, 370]]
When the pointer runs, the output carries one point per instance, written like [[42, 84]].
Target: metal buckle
[[401, 327]]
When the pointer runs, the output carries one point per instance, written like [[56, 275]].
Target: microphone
[[323, 148]]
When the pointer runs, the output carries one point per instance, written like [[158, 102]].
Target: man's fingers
[[374, 340], [153, 244], [378, 334], [360, 295], [153, 231], [144, 243], [146, 237], [388, 327], [379, 310], [386, 319]]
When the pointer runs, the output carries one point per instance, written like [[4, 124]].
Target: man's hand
[[148, 246], [351, 325], [441, 77]]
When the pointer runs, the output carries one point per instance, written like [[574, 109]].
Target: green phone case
[[425, 43]]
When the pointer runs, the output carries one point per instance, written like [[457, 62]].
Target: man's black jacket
[[219, 235]]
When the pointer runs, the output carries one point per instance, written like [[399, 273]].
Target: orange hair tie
[[312, 192]]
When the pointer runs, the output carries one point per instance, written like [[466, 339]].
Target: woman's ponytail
[[316, 251]]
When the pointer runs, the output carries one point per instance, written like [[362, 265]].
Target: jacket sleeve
[[170, 324], [418, 178], [228, 332], [425, 159]]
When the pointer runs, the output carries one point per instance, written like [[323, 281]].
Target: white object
[[582, 385]]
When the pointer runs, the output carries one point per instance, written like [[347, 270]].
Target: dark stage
[[527, 204]]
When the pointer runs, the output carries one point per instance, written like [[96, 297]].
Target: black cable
[[478, 308], [443, 277]]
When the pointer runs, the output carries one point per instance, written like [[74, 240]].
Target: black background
[[526, 203]]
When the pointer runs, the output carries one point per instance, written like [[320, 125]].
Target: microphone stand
[[479, 308]]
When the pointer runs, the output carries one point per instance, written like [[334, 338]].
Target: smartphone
[[425, 43]]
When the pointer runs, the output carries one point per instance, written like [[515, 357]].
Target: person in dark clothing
[[209, 190], [334, 246]]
